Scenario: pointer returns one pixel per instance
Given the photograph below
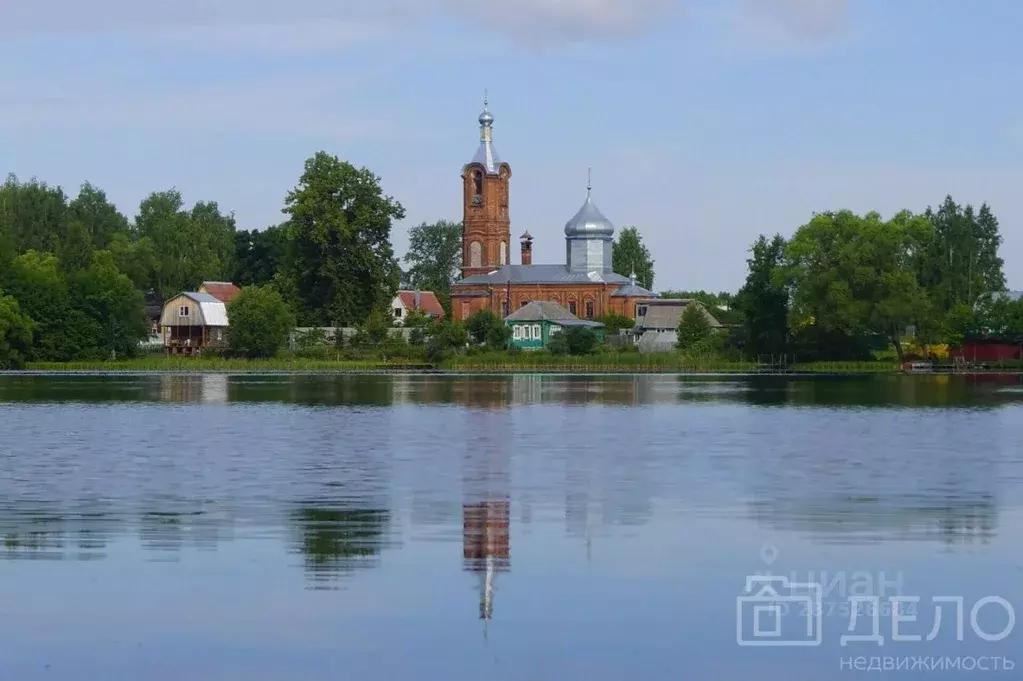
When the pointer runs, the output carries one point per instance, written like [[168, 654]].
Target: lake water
[[523, 527]]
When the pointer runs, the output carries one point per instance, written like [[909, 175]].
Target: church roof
[[486, 154], [543, 274], [633, 290]]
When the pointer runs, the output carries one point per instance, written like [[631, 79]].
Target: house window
[[641, 310], [553, 330], [589, 309], [516, 332], [571, 306], [397, 312], [183, 311], [536, 332]]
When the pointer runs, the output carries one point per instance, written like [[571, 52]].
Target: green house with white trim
[[533, 324]]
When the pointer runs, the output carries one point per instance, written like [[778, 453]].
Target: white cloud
[[325, 35], [807, 19], [783, 25], [524, 19], [571, 20], [281, 106]]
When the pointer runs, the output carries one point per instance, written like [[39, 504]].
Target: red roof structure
[[224, 291], [428, 303]]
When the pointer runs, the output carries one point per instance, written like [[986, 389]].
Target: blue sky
[[706, 122]]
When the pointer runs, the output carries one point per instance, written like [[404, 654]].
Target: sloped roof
[[428, 302], [543, 274], [545, 310], [224, 291], [214, 311], [631, 290], [666, 314]]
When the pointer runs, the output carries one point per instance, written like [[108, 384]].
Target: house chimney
[[417, 299], [527, 248]]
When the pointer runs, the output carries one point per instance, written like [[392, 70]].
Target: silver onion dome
[[589, 221], [486, 118]]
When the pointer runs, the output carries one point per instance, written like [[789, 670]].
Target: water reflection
[[503, 391], [313, 462], [335, 541]]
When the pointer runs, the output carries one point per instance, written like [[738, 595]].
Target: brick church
[[584, 283]]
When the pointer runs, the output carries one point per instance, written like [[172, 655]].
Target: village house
[[407, 301], [193, 322], [656, 328], [585, 284], [534, 324]]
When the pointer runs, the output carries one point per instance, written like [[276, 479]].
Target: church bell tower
[[486, 225]]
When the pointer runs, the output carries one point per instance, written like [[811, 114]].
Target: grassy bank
[[217, 364], [496, 362]]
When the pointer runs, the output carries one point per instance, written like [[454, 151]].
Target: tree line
[[76, 273], [845, 285]]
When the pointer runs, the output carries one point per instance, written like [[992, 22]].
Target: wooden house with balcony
[[194, 322]]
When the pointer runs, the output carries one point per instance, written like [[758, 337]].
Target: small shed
[[535, 323], [989, 349], [193, 322]]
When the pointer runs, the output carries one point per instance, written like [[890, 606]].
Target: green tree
[[213, 242], [39, 285], [186, 246], [258, 255], [613, 323], [434, 257], [260, 322], [340, 264], [854, 276], [693, 327], [484, 325], [164, 223], [33, 216], [98, 218], [115, 308], [446, 337], [959, 261], [136, 258], [763, 300], [579, 340], [419, 327], [629, 256], [15, 333], [375, 331]]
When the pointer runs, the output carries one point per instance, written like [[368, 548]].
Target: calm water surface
[[463, 528]]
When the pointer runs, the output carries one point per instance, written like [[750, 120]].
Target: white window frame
[[553, 330], [516, 332], [183, 311], [537, 332]]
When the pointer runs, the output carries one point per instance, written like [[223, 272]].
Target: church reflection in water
[[486, 506]]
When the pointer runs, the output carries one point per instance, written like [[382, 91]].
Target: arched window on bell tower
[[477, 186]]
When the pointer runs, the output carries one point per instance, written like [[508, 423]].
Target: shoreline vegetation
[[484, 363]]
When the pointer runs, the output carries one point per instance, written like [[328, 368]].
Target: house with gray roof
[[534, 324], [657, 321]]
